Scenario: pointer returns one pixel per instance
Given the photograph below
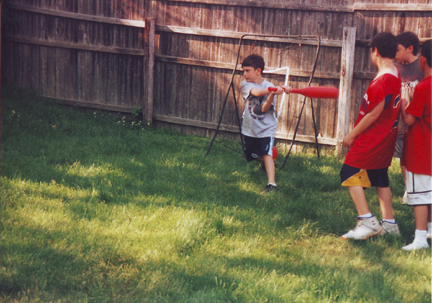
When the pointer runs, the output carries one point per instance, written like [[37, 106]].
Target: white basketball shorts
[[419, 189]]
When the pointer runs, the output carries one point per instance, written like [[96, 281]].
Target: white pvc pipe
[[287, 69]]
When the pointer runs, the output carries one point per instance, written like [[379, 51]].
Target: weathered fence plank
[[148, 84], [347, 72]]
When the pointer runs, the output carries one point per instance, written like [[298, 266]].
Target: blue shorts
[[256, 148], [352, 176]]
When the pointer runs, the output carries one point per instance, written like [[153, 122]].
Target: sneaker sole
[[413, 249], [363, 238]]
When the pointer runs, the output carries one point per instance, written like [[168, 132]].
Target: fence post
[[346, 80], [149, 60]]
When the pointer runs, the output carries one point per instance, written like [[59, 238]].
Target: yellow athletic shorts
[[352, 176]]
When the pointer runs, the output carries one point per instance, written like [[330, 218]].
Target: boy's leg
[[429, 213], [270, 168], [358, 195], [388, 223], [385, 200], [356, 179], [429, 224], [367, 225], [380, 180], [421, 216], [419, 196]]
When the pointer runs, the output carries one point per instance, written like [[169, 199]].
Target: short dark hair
[[408, 39], [254, 60], [386, 44], [426, 51]]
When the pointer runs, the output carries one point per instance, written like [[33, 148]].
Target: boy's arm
[[266, 105], [264, 92], [259, 92], [408, 118], [364, 124]]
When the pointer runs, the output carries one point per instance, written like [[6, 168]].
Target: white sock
[[365, 216], [390, 221], [274, 184], [429, 227], [420, 236]]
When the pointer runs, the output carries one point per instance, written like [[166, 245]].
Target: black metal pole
[[220, 121], [238, 118]]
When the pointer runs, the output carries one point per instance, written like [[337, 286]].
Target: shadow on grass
[[94, 266], [88, 161]]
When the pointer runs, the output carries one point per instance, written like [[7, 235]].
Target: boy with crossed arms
[[417, 151]]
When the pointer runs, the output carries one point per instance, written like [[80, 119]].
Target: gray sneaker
[[366, 228], [390, 228]]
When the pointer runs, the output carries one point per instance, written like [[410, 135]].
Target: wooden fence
[[196, 48], [99, 54]]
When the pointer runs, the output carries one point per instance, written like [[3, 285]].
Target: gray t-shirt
[[256, 123], [411, 75]]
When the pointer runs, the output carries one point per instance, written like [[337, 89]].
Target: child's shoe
[[366, 227], [419, 241], [390, 228], [416, 245], [270, 187]]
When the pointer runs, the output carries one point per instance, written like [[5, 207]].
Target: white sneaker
[[416, 245], [366, 227], [405, 198], [390, 228]]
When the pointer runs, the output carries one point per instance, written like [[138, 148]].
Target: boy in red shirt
[[416, 155], [408, 64], [372, 142]]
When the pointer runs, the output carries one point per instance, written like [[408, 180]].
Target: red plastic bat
[[323, 92]]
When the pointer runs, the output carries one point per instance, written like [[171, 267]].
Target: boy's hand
[[408, 118], [348, 141], [279, 90], [287, 89], [404, 104]]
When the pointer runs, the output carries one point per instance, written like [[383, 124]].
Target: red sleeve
[[416, 107], [378, 93]]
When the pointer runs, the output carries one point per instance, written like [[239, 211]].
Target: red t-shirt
[[374, 148], [416, 155]]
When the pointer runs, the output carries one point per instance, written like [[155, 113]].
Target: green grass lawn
[[97, 208]]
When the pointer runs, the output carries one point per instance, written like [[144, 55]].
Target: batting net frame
[[231, 86]]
